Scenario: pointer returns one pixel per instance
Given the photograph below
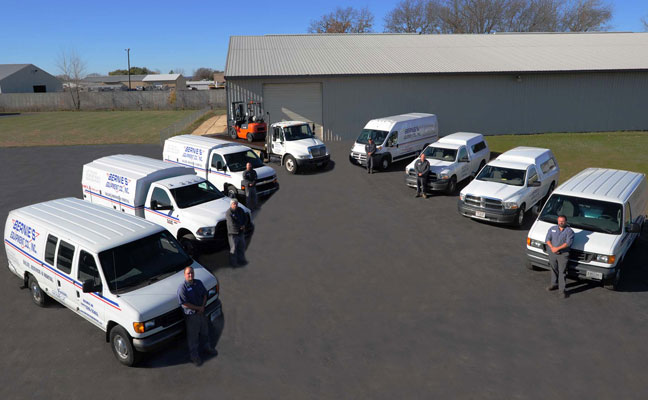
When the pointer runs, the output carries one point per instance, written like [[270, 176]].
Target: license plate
[[480, 214], [594, 275]]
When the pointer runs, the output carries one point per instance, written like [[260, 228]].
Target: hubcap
[[385, 163], [36, 291], [120, 347], [290, 164], [521, 216]]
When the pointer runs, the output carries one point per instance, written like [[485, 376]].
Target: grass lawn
[[86, 127], [577, 151]]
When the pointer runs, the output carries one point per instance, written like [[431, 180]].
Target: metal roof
[[161, 77], [602, 183], [368, 54], [114, 78], [10, 69]]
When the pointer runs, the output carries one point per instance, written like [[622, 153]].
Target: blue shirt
[[558, 237], [193, 294]]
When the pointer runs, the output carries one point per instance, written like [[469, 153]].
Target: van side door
[[277, 145], [394, 146], [534, 193], [65, 288], [218, 175], [463, 164], [90, 305], [161, 209]]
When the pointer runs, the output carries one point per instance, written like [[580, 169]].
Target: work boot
[[564, 295], [552, 288], [425, 196], [196, 361], [211, 351], [232, 260], [418, 195], [243, 262]]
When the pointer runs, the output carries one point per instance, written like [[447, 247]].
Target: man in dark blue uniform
[[236, 222], [559, 240], [249, 180], [370, 149], [422, 169], [192, 297]]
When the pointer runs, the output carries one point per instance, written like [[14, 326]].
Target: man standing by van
[[422, 169], [559, 240], [236, 221], [249, 179], [192, 297], [370, 149]]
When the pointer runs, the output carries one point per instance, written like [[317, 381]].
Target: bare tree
[[203, 74], [408, 17], [586, 15], [178, 70], [644, 21], [344, 20], [73, 69]]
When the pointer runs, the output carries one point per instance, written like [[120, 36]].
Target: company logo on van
[[24, 235], [117, 183], [192, 153]]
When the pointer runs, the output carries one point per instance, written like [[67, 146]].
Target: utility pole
[[129, 82]]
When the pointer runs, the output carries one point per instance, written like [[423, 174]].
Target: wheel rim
[[385, 163], [521, 216], [120, 347], [231, 193], [290, 164], [36, 292]]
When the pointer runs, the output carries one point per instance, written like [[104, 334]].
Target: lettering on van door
[[117, 183], [24, 235]]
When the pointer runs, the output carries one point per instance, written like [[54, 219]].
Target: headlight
[[511, 205], [207, 231], [605, 259], [444, 175], [141, 327], [535, 243], [212, 292], [462, 196]]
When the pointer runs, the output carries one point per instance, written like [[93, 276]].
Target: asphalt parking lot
[[355, 289]]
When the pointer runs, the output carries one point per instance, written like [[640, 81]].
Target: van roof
[[207, 142], [180, 181], [284, 124], [602, 184], [137, 167], [93, 227], [523, 154], [403, 117], [460, 138]]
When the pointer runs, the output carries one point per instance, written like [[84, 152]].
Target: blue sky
[[168, 35]]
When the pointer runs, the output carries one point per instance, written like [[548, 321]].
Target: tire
[[613, 284], [250, 137], [187, 243], [353, 161], [231, 192], [530, 266], [519, 220], [290, 164], [452, 185], [324, 165], [232, 133], [385, 162], [122, 346], [37, 294]]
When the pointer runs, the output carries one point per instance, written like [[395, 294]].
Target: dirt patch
[[213, 126]]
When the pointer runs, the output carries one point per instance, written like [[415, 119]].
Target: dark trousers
[[237, 248], [558, 264], [421, 184], [200, 333], [370, 163], [251, 198]]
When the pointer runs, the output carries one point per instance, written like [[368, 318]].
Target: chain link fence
[[177, 127]]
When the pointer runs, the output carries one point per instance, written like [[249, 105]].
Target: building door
[[40, 89], [294, 102]]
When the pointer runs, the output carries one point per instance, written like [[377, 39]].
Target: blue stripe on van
[[112, 200]]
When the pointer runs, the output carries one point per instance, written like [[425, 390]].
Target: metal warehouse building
[[27, 78], [495, 84]]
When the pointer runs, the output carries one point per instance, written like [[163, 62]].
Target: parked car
[[507, 187], [453, 159], [606, 210]]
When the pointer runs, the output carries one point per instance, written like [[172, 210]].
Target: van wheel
[[613, 284], [187, 243], [38, 296], [250, 137], [385, 162], [231, 192], [452, 185], [232, 133], [290, 164], [122, 346], [519, 220]]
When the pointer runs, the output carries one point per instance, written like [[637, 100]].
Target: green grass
[[577, 151], [86, 127]]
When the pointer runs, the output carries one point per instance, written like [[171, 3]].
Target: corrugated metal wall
[[491, 104]]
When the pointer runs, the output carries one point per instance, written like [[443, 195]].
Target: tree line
[[474, 16]]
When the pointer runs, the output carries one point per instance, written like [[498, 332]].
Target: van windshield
[[142, 262], [508, 176], [588, 214], [438, 153], [297, 132], [377, 136], [199, 193], [237, 161]]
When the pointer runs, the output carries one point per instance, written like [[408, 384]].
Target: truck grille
[[580, 256], [432, 176], [265, 186], [483, 202], [319, 151], [170, 318], [361, 157]]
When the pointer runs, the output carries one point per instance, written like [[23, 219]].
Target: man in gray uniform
[[236, 221], [370, 149], [249, 180], [422, 169], [559, 240]]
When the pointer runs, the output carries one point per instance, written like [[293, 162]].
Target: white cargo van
[[510, 185], [294, 143], [187, 205], [452, 159], [119, 272], [220, 162], [606, 209], [396, 138]]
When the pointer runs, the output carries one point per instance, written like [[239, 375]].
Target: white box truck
[[220, 162], [606, 208], [296, 147], [396, 138], [190, 207], [119, 272]]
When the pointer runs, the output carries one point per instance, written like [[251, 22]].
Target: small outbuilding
[[176, 81], [27, 78]]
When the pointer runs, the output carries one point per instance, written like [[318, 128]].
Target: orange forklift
[[246, 121]]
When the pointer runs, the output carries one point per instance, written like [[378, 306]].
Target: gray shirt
[[422, 167], [558, 237], [235, 220]]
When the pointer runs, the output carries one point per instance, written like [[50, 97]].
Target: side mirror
[[535, 184], [154, 204], [633, 227], [219, 165], [223, 167], [89, 286]]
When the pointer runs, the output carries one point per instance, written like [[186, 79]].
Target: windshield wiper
[[593, 227]]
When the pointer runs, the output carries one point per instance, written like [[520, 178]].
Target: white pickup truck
[[190, 207], [510, 185], [295, 145], [452, 159]]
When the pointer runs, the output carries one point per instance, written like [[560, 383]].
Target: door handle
[[59, 283], [78, 295]]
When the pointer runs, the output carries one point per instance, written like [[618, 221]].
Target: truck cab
[[295, 145], [507, 187]]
